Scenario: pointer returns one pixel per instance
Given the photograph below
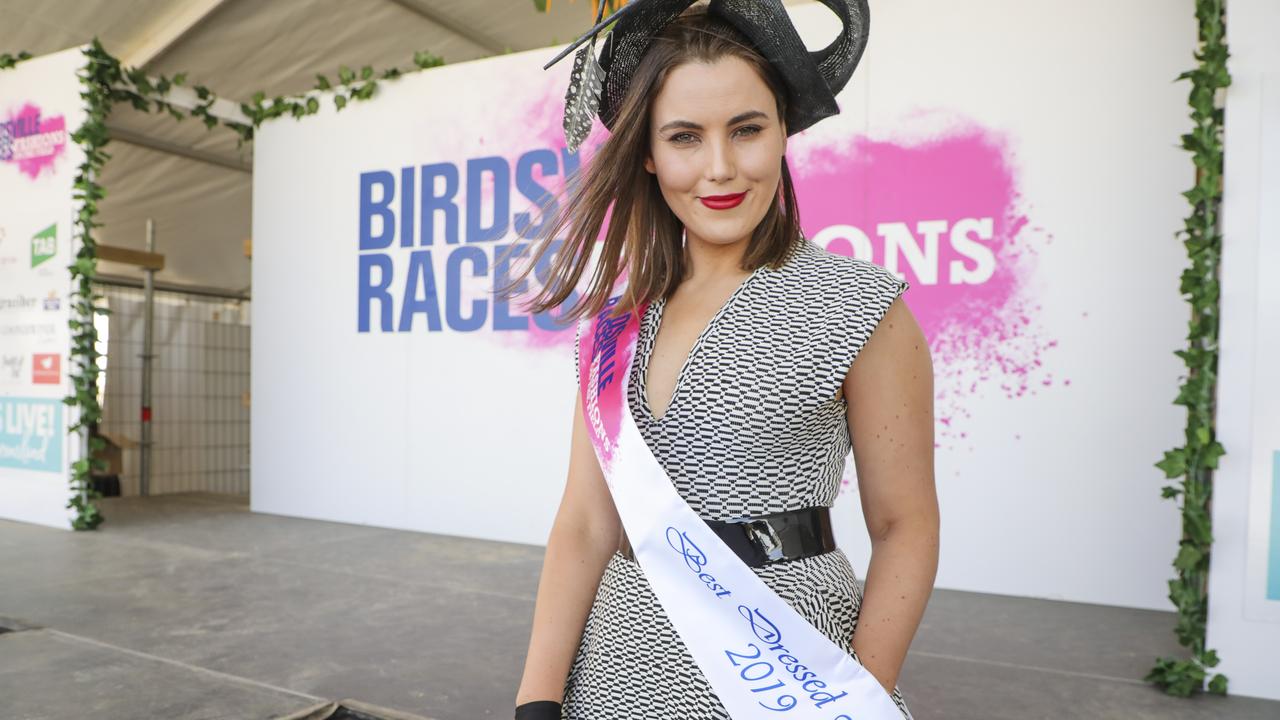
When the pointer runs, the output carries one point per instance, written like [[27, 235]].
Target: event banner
[[40, 107], [391, 387]]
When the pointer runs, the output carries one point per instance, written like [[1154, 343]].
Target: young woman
[[744, 384]]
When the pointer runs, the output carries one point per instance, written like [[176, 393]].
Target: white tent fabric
[[194, 183]]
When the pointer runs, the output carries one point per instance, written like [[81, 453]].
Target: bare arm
[[890, 415], [583, 538]]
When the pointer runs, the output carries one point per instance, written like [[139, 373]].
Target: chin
[[726, 232]]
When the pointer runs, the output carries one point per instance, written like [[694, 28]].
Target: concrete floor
[[187, 607]]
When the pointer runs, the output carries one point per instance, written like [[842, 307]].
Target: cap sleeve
[[867, 293]]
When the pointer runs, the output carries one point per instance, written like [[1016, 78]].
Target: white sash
[[762, 658]]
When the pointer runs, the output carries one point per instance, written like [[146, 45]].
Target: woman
[[743, 383]]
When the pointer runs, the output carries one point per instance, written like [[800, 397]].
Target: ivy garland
[[1195, 461], [105, 82]]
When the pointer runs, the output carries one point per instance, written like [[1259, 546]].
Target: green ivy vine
[[1194, 462], [105, 82]]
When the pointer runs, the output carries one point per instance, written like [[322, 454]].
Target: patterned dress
[[753, 427]]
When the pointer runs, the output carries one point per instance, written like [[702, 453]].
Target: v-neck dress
[[753, 427]]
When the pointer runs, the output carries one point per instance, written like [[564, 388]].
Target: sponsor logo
[[31, 140], [44, 245], [11, 367], [46, 368], [31, 431], [17, 302], [34, 330]]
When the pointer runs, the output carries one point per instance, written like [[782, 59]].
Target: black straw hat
[[812, 77]]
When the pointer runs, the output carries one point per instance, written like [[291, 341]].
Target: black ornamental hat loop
[[813, 78]]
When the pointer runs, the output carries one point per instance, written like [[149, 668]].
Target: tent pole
[[148, 325]]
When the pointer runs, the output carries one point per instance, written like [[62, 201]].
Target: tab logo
[[44, 245]]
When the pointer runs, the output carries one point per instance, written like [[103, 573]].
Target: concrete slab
[[959, 689], [202, 520], [1075, 637], [50, 676], [431, 651], [437, 626], [437, 560]]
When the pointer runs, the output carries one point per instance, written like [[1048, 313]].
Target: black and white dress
[[753, 428]]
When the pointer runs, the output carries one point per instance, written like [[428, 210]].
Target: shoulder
[[839, 281]]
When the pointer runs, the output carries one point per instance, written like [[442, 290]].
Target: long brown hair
[[644, 235]]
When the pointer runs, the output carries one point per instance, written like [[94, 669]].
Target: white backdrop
[[40, 107], [1054, 363], [1244, 570]]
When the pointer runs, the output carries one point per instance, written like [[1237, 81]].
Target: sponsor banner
[[40, 107]]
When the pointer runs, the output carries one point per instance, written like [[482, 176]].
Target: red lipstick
[[723, 202]]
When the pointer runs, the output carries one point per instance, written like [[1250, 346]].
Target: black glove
[[538, 710]]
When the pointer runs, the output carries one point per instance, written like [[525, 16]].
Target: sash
[[762, 658]]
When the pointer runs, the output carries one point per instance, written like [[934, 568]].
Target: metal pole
[[148, 323]]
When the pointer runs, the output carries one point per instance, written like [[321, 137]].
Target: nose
[[721, 164]]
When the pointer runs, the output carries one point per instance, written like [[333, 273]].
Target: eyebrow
[[687, 125]]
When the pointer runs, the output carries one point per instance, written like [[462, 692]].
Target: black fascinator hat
[[812, 77]]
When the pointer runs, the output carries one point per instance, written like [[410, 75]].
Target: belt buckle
[[765, 537], [759, 536]]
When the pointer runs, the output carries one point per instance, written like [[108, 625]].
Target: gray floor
[[187, 607]]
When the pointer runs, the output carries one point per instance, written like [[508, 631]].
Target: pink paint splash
[[946, 215], [32, 141], [544, 119]]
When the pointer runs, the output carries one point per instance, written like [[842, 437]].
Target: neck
[[712, 262]]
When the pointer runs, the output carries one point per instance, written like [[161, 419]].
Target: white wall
[[1055, 370], [1244, 574]]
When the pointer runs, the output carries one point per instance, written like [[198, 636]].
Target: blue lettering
[[406, 207], [476, 168], [536, 193], [367, 291], [502, 318], [420, 271], [453, 286], [444, 202], [381, 209]]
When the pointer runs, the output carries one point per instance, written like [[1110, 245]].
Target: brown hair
[[644, 235]]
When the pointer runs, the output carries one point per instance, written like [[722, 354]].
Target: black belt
[[769, 539]]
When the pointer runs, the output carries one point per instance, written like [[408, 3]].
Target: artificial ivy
[[1195, 461], [7, 61], [105, 82]]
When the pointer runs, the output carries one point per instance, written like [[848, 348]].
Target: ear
[[648, 164]]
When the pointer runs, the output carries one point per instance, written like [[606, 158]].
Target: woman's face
[[714, 130]]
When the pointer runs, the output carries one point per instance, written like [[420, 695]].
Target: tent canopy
[[195, 183]]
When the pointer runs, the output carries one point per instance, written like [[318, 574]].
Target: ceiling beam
[[470, 34], [222, 108], [136, 138], [159, 40]]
